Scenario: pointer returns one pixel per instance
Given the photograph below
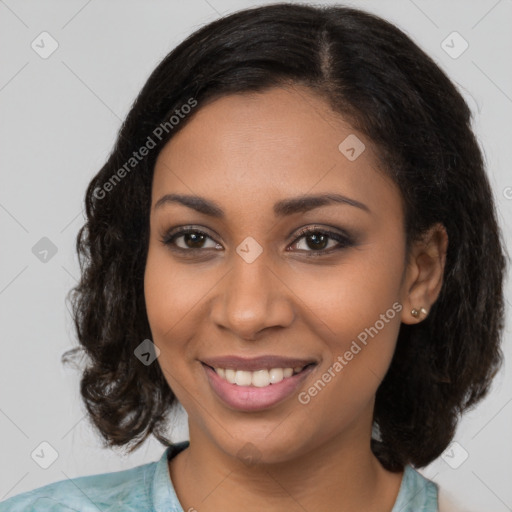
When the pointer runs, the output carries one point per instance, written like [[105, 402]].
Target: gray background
[[59, 118]]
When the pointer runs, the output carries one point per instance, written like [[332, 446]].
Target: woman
[[294, 238]]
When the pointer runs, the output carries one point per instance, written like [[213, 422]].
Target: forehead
[[255, 148]]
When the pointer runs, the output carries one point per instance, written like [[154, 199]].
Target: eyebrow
[[282, 208]]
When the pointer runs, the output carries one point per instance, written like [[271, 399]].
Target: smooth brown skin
[[246, 152]]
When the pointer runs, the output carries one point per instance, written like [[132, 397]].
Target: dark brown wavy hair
[[371, 73]]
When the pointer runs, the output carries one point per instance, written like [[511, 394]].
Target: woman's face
[[249, 285]]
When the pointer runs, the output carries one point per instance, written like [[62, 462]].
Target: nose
[[252, 298]]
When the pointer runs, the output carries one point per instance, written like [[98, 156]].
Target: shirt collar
[[162, 491], [415, 490]]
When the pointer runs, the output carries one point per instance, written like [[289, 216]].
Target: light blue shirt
[[148, 488]]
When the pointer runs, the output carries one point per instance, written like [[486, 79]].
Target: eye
[[313, 240], [192, 239], [316, 241]]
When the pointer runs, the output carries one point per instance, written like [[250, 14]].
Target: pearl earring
[[415, 313]]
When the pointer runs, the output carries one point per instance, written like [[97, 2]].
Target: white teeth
[[276, 375], [259, 378], [230, 375], [243, 378]]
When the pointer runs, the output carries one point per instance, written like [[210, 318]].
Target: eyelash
[[344, 241]]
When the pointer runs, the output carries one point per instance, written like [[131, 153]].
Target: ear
[[424, 274]]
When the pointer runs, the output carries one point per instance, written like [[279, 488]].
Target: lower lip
[[252, 398]]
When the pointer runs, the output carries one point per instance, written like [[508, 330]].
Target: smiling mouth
[[259, 378]]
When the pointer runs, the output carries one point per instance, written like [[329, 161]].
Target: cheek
[[170, 295], [170, 299], [357, 359], [353, 296], [360, 305]]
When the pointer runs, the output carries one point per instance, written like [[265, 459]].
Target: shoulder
[[105, 491], [417, 493]]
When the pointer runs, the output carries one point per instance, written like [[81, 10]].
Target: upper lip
[[256, 363]]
